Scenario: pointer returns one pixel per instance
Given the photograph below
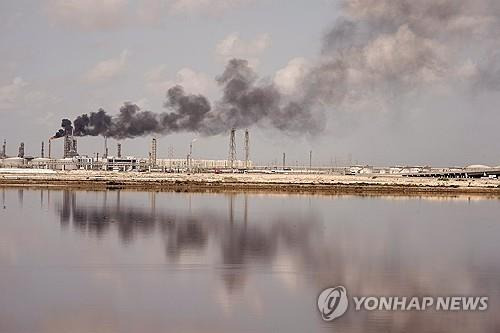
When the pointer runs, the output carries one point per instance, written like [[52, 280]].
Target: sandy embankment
[[252, 182]]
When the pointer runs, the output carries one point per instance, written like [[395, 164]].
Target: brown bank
[[326, 184]]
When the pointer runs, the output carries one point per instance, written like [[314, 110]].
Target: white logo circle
[[332, 303]]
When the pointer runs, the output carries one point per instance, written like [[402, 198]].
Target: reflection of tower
[[153, 203], [21, 150], [152, 161], [245, 214], [118, 200], [247, 148], [20, 196], [232, 148], [231, 209], [3, 198]]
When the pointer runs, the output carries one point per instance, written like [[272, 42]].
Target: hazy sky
[[413, 90]]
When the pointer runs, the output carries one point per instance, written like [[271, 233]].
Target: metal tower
[[232, 148], [4, 149], [21, 150], [310, 159], [106, 147], [247, 148], [42, 152], [284, 160], [153, 152], [119, 150], [50, 147]]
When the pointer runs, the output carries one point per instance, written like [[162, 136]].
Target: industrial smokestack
[[232, 148], [153, 152], [21, 150], [50, 147], [105, 147], [42, 152], [4, 148], [247, 148], [119, 150]]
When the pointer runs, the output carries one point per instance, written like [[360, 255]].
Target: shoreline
[[274, 183]]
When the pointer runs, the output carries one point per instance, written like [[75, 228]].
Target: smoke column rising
[[377, 53]]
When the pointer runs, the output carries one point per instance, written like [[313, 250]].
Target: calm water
[[124, 261]]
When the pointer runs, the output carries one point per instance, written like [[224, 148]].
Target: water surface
[[129, 261]]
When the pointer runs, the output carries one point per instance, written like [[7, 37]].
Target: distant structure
[[284, 160], [247, 148], [119, 150], [70, 147], [310, 159], [106, 152], [50, 147], [21, 150], [42, 151], [4, 149], [232, 148], [152, 155]]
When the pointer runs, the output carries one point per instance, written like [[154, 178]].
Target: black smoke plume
[[245, 102], [66, 129], [377, 53]]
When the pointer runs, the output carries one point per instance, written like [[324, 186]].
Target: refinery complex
[[106, 161]]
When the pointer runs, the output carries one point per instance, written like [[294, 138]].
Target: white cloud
[[18, 95], [234, 47], [158, 81], [287, 78], [89, 14], [10, 93], [107, 69]]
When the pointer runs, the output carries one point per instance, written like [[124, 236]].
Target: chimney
[[119, 150], [4, 148], [42, 152], [105, 147], [21, 150], [232, 148], [153, 152], [50, 148]]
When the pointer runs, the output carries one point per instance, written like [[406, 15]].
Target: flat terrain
[[323, 183]]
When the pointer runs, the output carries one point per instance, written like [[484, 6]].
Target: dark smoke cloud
[[66, 129], [245, 103], [378, 53]]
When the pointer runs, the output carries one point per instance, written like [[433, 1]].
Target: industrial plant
[[72, 160]]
